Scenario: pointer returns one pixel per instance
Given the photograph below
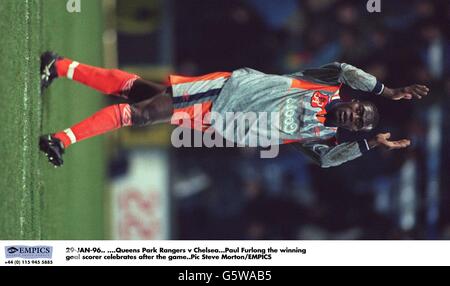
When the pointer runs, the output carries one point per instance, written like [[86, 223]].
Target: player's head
[[354, 115]]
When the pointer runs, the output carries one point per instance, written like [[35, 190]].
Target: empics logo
[[12, 250], [28, 252]]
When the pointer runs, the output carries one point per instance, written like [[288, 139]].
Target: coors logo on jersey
[[290, 122]]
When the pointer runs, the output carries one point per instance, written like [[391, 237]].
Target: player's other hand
[[382, 139], [413, 91]]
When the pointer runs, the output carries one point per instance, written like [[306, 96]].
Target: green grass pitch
[[36, 200]]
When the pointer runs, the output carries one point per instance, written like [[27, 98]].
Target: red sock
[[109, 81], [107, 119]]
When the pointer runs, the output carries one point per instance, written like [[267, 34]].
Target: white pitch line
[[26, 123]]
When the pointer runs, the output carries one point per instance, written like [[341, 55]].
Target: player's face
[[353, 116]]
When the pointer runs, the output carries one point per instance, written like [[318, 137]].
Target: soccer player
[[307, 105]]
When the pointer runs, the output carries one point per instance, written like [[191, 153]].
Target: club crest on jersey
[[319, 99]]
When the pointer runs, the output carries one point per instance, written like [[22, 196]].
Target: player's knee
[[141, 116]]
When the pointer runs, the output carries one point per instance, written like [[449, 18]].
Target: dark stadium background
[[133, 184]]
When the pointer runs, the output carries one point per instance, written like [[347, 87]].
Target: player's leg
[[143, 90], [107, 119], [108, 81], [157, 109]]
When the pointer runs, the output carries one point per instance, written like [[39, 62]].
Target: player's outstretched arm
[[342, 73], [360, 80], [409, 92], [382, 139], [326, 155]]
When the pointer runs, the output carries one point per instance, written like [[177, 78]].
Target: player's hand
[[413, 91], [382, 139]]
